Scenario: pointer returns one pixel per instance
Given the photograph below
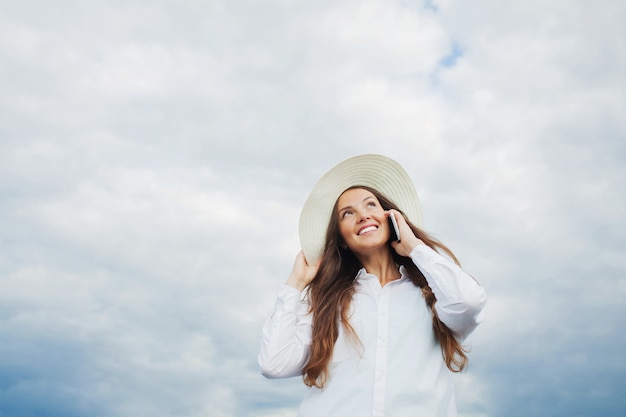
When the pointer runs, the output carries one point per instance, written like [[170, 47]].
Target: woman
[[373, 324]]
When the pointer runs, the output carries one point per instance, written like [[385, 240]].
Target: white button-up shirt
[[395, 368]]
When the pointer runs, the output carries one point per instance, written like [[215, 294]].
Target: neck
[[382, 265]]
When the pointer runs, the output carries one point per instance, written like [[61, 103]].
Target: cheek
[[344, 230]]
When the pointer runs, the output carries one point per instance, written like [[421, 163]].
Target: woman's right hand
[[302, 273]]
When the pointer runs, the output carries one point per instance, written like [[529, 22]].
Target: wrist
[[413, 243], [296, 283]]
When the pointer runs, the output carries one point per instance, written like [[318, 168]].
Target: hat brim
[[376, 171]]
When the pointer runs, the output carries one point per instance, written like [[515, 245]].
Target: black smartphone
[[394, 230]]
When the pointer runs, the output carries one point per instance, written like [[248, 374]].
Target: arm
[[286, 336], [460, 299], [287, 333]]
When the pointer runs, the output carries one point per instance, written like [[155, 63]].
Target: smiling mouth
[[367, 230]]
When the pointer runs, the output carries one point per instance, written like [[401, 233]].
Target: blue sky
[[154, 157]]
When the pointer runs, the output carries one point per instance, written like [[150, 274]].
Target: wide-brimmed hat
[[375, 171]]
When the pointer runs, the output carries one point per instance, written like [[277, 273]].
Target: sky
[[154, 157]]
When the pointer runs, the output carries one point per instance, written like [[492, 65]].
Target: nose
[[362, 216]]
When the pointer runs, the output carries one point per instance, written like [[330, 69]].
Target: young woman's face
[[362, 221]]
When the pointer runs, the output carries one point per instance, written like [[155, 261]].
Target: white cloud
[[154, 157]]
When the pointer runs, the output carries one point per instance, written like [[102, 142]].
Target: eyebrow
[[347, 207]]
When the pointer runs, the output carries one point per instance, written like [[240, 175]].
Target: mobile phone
[[394, 230]]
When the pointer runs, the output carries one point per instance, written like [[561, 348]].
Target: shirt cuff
[[288, 298], [423, 253]]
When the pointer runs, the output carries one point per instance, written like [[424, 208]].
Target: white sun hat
[[375, 171]]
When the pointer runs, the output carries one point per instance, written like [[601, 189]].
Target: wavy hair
[[331, 290]]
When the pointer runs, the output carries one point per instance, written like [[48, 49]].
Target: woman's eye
[[346, 213]]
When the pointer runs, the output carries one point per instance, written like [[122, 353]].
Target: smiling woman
[[374, 325]]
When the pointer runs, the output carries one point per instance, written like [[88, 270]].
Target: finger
[[303, 257], [399, 217]]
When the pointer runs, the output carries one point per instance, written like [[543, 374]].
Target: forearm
[[460, 299], [286, 336]]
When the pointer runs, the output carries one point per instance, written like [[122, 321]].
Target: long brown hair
[[331, 291]]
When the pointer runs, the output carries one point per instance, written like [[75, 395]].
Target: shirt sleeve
[[460, 299], [286, 338]]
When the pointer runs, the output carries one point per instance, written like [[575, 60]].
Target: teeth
[[367, 229]]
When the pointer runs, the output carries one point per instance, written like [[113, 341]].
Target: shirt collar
[[364, 275]]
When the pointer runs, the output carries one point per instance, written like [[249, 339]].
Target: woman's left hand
[[408, 240]]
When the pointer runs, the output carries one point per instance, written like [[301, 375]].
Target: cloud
[[154, 158]]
